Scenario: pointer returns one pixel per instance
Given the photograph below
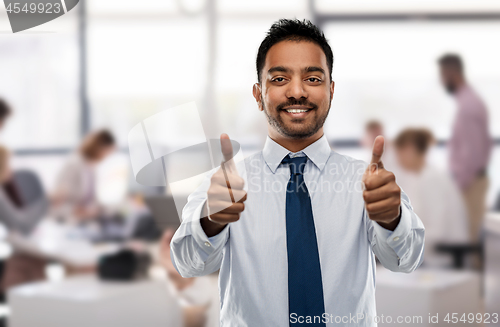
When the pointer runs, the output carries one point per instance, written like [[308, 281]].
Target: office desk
[[87, 302], [60, 242], [425, 292]]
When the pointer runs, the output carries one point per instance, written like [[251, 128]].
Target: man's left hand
[[381, 193]]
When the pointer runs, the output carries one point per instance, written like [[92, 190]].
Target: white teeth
[[296, 110]]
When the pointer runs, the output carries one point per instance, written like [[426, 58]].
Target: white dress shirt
[[252, 253]]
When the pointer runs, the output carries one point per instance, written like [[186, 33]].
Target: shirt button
[[208, 244], [396, 239]]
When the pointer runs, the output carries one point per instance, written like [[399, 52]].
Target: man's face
[[449, 79], [295, 90]]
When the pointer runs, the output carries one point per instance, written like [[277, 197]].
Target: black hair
[[96, 141], [5, 110], [293, 30], [105, 137], [452, 60], [420, 138]]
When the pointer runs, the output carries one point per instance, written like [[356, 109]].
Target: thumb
[[227, 152], [377, 152]]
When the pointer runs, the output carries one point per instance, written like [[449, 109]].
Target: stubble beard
[[278, 124]]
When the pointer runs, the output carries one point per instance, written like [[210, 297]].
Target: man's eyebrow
[[314, 69], [278, 69]]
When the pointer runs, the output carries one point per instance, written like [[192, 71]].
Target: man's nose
[[296, 90]]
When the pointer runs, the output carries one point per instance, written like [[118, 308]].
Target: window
[[40, 79], [406, 6], [388, 71], [141, 62]]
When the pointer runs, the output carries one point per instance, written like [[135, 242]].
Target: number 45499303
[[32, 8], [485, 318]]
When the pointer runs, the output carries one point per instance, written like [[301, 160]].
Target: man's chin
[[451, 89], [297, 134], [297, 128]]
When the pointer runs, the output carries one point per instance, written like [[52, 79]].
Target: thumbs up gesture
[[226, 196], [381, 194]]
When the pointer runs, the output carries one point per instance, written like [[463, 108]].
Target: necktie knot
[[296, 164]]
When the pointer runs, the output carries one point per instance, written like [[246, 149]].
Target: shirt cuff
[[206, 244], [396, 239]]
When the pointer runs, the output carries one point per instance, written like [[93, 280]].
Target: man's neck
[[295, 145], [461, 85]]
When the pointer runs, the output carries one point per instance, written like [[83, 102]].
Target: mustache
[[295, 102]]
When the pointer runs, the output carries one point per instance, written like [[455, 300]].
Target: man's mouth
[[297, 111]]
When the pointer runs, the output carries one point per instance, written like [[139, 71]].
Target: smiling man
[[296, 240]]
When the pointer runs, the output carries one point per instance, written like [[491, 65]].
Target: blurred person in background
[[5, 112], [198, 296], [374, 128], [434, 195], [8, 186], [74, 195], [470, 144], [18, 218]]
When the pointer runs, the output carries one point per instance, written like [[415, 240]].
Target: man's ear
[[257, 94], [332, 89]]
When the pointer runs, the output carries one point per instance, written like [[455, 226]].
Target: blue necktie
[[305, 288]]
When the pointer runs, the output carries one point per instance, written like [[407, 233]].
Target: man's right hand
[[226, 196]]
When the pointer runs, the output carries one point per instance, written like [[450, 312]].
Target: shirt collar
[[318, 153]]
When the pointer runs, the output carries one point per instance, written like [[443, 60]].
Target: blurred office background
[[110, 64]]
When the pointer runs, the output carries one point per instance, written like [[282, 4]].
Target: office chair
[[459, 252], [29, 186], [496, 206]]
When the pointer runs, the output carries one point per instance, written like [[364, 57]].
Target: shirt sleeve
[[401, 250], [193, 253]]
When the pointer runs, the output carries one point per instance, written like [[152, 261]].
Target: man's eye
[[313, 79], [279, 79]]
